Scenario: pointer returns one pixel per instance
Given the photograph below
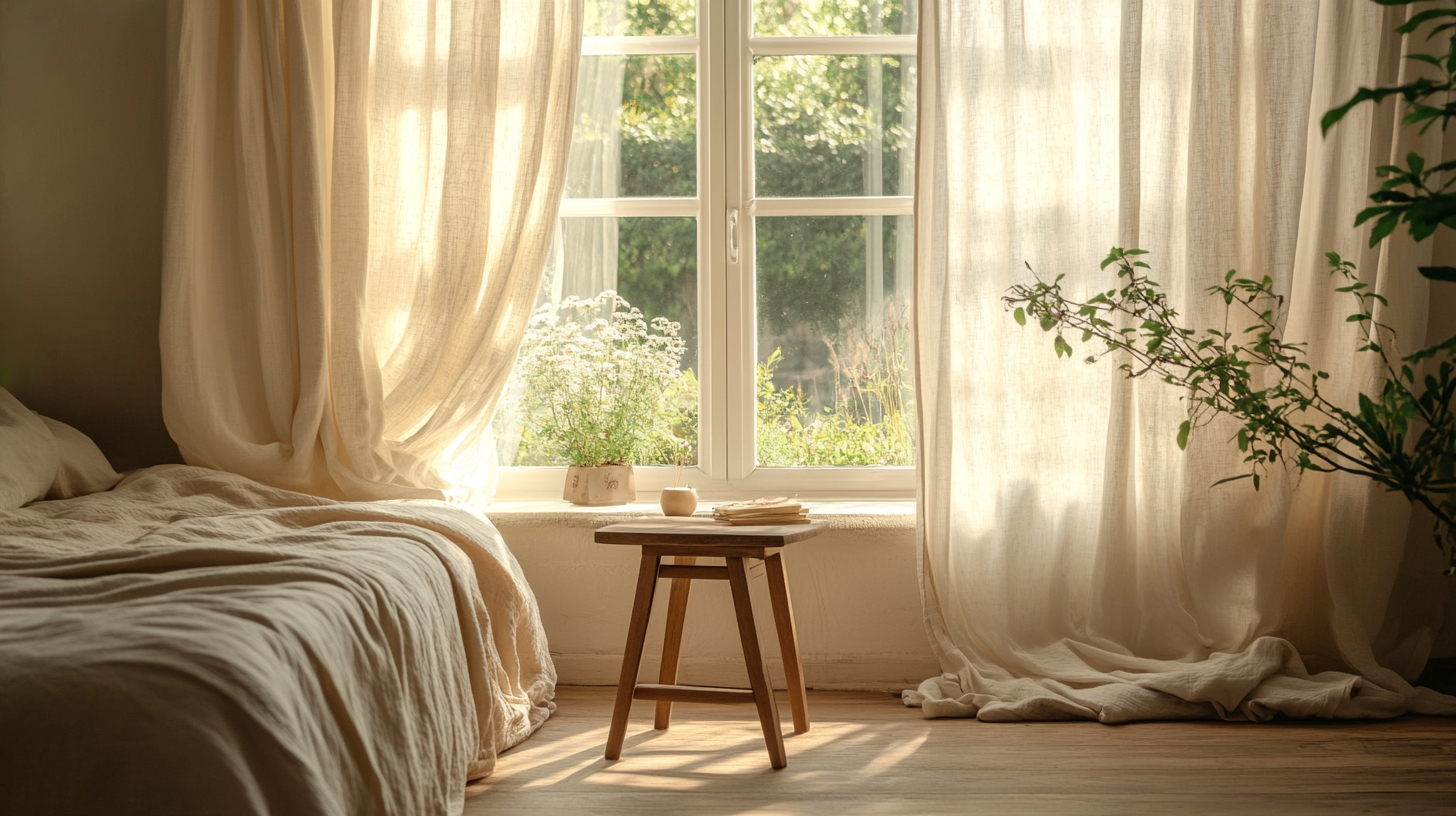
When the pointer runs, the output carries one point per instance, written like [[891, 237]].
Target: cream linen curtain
[[361, 197], [1075, 562]]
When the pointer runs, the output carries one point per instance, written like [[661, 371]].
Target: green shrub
[[872, 419]]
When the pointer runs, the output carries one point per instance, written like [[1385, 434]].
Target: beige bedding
[[194, 642]]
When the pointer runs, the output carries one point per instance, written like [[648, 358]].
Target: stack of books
[[767, 510]]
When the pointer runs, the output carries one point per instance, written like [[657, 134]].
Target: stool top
[[697, 531]]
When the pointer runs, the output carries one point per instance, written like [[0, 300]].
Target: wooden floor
[[868, 754]]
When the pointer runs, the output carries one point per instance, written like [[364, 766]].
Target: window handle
[[732, 236]]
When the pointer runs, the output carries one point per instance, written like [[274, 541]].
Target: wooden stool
[[686, 540]]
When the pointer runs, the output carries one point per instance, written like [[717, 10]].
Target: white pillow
[[82, 467], [28, 460]]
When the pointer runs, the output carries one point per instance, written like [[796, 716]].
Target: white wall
[[82, 171], [855, 591]]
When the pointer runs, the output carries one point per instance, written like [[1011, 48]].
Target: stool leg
[[677, 610], [768, 714], [632, 654], [778, 590]]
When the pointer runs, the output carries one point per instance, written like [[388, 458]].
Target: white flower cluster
[[596, 371]]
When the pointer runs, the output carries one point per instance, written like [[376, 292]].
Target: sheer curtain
[[585, 262], [361, 198], [1075, 562]]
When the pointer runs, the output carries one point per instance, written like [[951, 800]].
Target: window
[[745, 168]]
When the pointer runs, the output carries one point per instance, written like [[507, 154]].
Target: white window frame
[[727, 343]]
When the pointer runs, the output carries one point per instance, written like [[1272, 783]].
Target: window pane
[[827, 18], [640, 18], [834, 375], [657, 263], [636, 128], [652, 263], [834, 126]]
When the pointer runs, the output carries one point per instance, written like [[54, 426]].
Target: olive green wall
[[82, 168]]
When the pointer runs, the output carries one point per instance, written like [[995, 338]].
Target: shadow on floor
[[1439, 675]]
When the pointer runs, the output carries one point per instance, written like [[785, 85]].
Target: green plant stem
[[1290, 420]]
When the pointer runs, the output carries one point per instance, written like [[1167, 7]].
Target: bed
[[190, 641]]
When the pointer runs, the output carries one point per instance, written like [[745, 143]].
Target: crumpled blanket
[[195, 642]]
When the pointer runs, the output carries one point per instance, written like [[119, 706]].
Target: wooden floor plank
[[868, 754]]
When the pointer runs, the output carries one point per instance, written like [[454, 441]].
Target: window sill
[[837, 515], [815, 486]]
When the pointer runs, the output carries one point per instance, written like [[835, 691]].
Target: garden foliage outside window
[[825, 227]]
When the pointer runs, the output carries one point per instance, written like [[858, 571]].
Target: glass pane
[[657, 262], [834, 126], [652, 263], [834, 371], [640, 18], [828, 18], [636, 131]]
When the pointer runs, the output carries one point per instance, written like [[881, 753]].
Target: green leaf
[[1048, 322], [1420, 113], [1020, 315], [1415, 162], [1183, 434], [1370, 212], [1388, 196], [1384, 227], [1231, 479], [1362, 95], [1418, 20], [1439, 273], [1421, 227]]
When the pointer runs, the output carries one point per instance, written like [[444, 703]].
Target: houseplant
[[1402, 432], [595, 373]]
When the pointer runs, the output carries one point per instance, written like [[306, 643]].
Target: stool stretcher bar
[[698, 573], [693, 694]]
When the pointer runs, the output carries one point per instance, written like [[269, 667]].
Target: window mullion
[[712, 243], [833, 205], [741, 322], [607, 46], [628, 207], [877, 44]]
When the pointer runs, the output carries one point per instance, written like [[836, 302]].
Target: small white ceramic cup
[[678, 501]]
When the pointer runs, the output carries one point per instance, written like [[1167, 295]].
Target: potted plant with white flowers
[[596, 371]]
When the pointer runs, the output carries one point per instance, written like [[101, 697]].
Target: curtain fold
[[360, 204], [1075, 563]]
